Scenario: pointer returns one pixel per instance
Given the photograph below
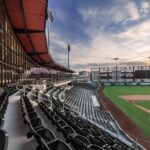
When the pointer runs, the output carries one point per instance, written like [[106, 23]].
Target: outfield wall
[[125, 83]]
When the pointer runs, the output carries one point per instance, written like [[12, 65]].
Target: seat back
[[36, 122], [78, 139], [96, 140], [1, 123], [114, 148], [46, 134], [32, 115], [58, 145], [85, 132], [31, 110], [29, 106], [3, 140], [61, 123], [94, 147], [69, 129]]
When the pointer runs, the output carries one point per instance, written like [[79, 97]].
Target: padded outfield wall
[[125, 83]]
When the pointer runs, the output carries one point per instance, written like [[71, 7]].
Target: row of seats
[[3, 103], [56, 118], [3, 139], [106, 123], [3, 108], [78, 141], [93, 133], [45, 138], [88, 86], [81, 98], [94, 140]]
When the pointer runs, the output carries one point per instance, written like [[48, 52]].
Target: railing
[[23, 89]]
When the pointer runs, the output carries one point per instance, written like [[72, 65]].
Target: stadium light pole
[[116, 59], [148, 63], [51, 19], [68, 55], [147, 66]]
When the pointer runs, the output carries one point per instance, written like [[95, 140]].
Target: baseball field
[[134, 102]]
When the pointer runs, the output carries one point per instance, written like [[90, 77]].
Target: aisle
[[15, 128]]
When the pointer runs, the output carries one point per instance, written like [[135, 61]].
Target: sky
[[99, 30]]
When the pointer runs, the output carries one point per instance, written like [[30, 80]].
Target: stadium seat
[[84, 132], [93, 147], [46, 134], [78, 141], [1, 122], [36, 123], [30, 110], [71, 125], [3, 140], [67, 131], [32, 115], [61, 124], [97, 141], [58, 145]]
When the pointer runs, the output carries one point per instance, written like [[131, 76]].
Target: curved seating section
[[78, 141], [45, 138], [80, 97], [81, 133]]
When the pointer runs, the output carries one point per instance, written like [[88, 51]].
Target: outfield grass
[[145, 104], [139, 117]]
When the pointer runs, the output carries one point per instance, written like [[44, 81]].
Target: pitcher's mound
[[134, 98]]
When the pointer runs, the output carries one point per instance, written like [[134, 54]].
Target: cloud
[[130, 43], [55, 39], [106, 15], [120, 11], [137, 37], [133, 11], [145, 5], [133, 44]]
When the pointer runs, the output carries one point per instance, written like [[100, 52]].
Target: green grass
[[145, 104], [139, 117]]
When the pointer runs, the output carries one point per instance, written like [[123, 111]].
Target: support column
[[91, 74], [133, 75], [141, 74], [107, 74], [116, 74]]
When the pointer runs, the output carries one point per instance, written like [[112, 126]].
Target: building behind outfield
[[125, 74]]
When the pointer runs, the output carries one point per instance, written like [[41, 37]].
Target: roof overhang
[[28, 19]]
